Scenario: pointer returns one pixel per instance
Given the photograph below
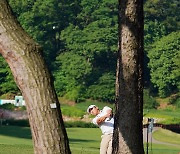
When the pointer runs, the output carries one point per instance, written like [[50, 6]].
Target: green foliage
[[95, 35], [84, 33], [103, 89], [175, 100], [8, 106], [72, 111], [43, 20], [7, 83], [165, 12], [12, 122], [160, 19], [153, 31], [76, 94], [73, 65], [95, 39], [71, 75], [163, 64], [12, 107], [149, 101]]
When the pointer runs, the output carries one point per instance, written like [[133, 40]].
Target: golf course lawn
[[164, 135], [17, 140]]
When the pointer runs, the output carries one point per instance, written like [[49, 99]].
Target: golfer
[[105, 121]]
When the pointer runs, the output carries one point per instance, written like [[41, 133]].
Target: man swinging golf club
[[104, 120]]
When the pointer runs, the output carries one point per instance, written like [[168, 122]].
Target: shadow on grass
[[24, 132], [13, 131], [75, 141]]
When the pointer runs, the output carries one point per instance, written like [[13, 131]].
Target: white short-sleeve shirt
[[107, 126]]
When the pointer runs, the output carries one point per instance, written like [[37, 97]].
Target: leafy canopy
[[164, 63]]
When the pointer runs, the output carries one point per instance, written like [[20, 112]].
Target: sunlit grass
[[167, 136], [17, 140], [161, 149], [165, 116]]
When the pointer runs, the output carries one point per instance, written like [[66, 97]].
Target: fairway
[[17, 140], [84, 140]]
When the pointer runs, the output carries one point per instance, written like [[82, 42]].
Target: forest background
[[80, 37]]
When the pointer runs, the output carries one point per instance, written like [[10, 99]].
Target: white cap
[[90, 107]]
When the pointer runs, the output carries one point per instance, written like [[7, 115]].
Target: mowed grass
[[165, 116], [84, 140], [164, 135], [17, 140], [162, 149]]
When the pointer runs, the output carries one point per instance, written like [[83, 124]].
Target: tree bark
[[128, 137], [25, 59]]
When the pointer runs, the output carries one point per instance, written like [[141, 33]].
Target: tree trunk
[[128, 137], [33, 79]]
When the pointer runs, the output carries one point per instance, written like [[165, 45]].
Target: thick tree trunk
[[128, 136], [33, 78]]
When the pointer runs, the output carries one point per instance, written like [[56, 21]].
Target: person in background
[[105, 121]]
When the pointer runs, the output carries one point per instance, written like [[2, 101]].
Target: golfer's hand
[[109, 114]]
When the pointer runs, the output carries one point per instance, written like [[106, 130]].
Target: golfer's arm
[[101, 119]]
